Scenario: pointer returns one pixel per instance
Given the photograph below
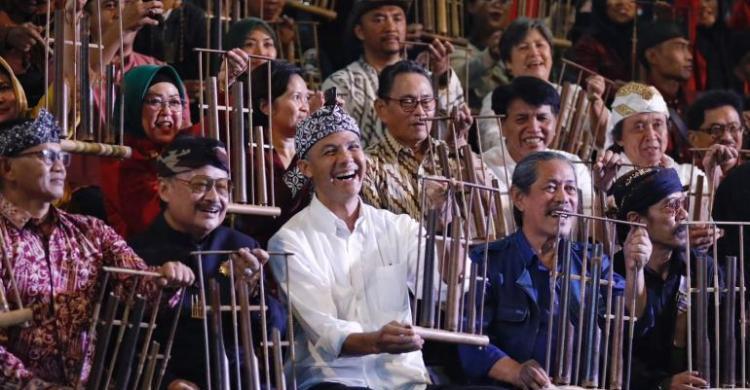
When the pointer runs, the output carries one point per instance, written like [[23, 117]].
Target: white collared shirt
[[344, 282], [499, 161]]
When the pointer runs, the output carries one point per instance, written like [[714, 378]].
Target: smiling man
[[405, 97], [194, 189], [381, 27], [517, 295], [531, 107], [56, 261], [715, 123], [349, 276]]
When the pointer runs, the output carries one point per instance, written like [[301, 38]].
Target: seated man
[[517, 294], [730, 204], [392, 181], [55, 260], [715, 122], [350, 270], [194, 188], [381, 27], [655, 197], [531, 107]]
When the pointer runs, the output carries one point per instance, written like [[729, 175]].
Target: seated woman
[[154, 105], [289, 106], [526, 50], [247, 36]]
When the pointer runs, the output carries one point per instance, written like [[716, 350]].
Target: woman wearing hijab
[[155, 112]]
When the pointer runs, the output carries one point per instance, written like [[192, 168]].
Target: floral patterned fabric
[[56, 262]]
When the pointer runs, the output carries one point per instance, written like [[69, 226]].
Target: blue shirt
[[516, 303]]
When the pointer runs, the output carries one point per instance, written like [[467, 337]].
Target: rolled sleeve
[[477, 361]]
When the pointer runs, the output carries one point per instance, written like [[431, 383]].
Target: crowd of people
[[662, 104]]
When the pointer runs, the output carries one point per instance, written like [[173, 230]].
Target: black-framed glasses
[[409, 103], [156, 103], [48, 156], [717, 129], [200, 185]]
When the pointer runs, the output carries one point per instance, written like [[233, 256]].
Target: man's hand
[[637, 248], [176, 274], [530, 375], [181, 384], [247, 262], [316, 101], [605, 170], [703, 236], [721, 155], [285, 28], [24, 37], [440, 57], [595, 86], [394, 338], [687, 381], [235, 66], [462, 121], [139, 13]]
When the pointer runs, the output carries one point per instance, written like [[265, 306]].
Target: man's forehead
[[646, 116], [722, 112], [519, 106], [336, 139], [206, 170], [555, 170], [44, 146], [677, 41], [389, 9]]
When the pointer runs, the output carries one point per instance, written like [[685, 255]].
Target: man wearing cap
[[194, 189], [640, 134], [664, 51], [351, 271], [517, 295], [381, 27], [715, 122], [655, 197], [52, 260]]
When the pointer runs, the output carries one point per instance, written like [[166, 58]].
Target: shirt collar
[[329, 222], [522, 243], [20, 217]]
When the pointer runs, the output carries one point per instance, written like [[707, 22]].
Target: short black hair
[[517, 31], [532, 90], [281, 72], [388, 75], [525, 175], [709, 100]]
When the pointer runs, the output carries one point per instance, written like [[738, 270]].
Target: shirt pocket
[[386, 288]]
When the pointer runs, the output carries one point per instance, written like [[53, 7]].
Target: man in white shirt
[[350, 271], [531, 108]]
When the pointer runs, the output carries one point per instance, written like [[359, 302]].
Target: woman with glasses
[[291, 102], [154, 114]]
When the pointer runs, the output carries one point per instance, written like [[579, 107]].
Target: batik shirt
[[57, 264], [393, 171], [358, 85]]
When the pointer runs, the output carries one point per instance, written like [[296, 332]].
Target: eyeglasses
[[717, 130], [200, 185], [48, 156], [159, 104], [409, 104], [673, 206]]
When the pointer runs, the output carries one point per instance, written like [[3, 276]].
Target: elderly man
[[405, 96], [381, 27], [53, 260], [194, 188], [531, 108], [655, 197], [715, 122], [349, 276], [664, 51], [517, 294]]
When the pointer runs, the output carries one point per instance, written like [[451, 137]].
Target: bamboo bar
[[96, 149], [128, 271], [212, 126], [59, 86], [129, 345], [728, 340], [247, 209], [561, 373], [260, 176], [427, 313], [323, 12], [278, 360], [616, 359], [238, 153], [250, 360], [218, 355], [703, 350], [102, 343], [15, 317], [451, 337], [590, 376]]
